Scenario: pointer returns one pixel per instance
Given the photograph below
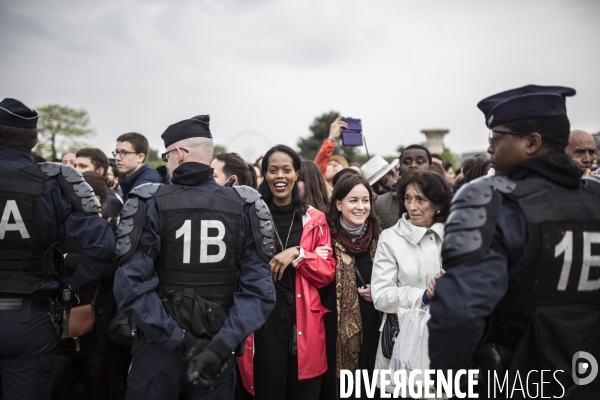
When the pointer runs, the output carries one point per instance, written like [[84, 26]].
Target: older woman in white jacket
[[407, 262]]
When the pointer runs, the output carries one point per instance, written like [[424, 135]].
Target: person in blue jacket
[[40, 204], [131, 155], [194, 273], [521, 294]]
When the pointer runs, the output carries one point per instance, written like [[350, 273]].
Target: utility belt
[[192, 312], [195, 313], [24, 303]]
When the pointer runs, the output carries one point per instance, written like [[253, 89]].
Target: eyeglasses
[[165, 156], [494, 134], [122, 153]]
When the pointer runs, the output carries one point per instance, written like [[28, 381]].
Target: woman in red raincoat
[[286, 357]]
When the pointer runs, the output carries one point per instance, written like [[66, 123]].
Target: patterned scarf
[[349, 324]]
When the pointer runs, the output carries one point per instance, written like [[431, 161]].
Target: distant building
[[435, 139]]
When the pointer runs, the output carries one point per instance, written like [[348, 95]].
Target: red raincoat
[[312, 272]]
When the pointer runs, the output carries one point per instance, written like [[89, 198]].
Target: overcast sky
[[264, 69]]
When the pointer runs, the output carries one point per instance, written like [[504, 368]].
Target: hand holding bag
[[411, 349], [82, 319]]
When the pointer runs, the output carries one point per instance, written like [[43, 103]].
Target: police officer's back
[[193, 276], [37, 202], [522, 288]]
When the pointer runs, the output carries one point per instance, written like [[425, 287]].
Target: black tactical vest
[[563, 256], [23, 267], [26, 261], [551, 312], [200, 247]]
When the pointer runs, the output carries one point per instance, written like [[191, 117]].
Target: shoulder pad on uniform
[[472, 221], [91, 204], [145, 191], [262, 229], [50, 168], [129, 230], [467, 218], [592, 184], [129, 208], [479, 191], [83, 189], [250, 195], [80, 193], [70, 174], [262, 210], [502, 183]]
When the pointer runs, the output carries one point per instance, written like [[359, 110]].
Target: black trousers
[[275, 369], [161, 375], [27, 345]]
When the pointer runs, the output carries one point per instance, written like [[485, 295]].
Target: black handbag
[[121, 329], [389, 335]]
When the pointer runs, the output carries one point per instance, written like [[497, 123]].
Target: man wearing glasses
[[130, 156], [194, 275], [522, 290]]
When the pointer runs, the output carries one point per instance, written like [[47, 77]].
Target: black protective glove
[[209, 364], [190, 345]]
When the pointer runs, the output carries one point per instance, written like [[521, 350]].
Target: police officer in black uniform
[[522, 254], [39, 204], [194, 273]]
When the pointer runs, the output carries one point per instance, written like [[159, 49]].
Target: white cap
[[376, 168]]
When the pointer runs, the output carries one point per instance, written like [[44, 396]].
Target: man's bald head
[[582, 149], [194, 149]]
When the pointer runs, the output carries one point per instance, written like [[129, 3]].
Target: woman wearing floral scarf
[[352, 328]]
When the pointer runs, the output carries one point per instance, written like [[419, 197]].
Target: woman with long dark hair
[[312, 185], [352, 329], [289, 349]]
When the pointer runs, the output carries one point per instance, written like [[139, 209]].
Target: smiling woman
[[352, 328], [282, 365]]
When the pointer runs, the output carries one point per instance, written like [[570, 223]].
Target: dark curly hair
[[434, 187]]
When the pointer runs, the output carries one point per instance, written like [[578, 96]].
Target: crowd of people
[[265, 280]]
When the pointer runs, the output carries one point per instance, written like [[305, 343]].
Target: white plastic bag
[[411, 349]]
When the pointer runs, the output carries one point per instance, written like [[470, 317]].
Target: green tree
[[309, 147], [62, 128], [219, 149], [154, 159], [451, 157]]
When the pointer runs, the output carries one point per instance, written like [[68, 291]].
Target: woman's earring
[[438, 211]]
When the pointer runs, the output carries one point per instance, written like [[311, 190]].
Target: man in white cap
[[380, 174]]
